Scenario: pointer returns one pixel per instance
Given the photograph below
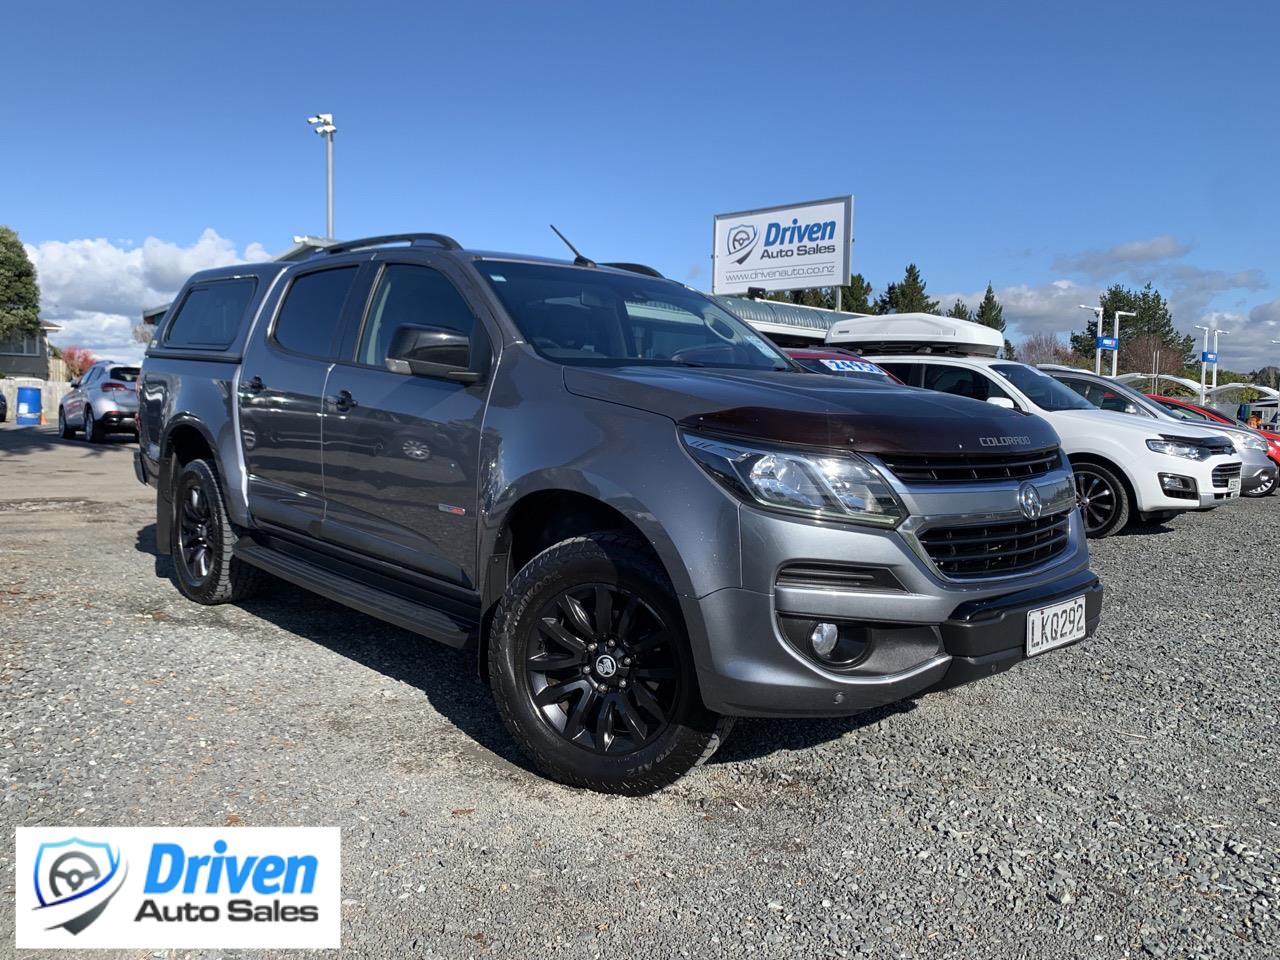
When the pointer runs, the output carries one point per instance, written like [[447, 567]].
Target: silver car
[[1258, 473], [104, 400]]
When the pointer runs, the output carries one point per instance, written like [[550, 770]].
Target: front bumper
[[909, 628], [760, 674]]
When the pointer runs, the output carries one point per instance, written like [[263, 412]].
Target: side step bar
[[417, 617]]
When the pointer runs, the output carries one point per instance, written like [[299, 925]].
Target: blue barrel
[[29, 406]]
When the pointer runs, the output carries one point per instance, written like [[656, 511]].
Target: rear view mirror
[[432, 352], [1003, 402]]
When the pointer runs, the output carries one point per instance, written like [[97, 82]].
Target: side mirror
[[1002, 402], [432, 352], [75, 384]]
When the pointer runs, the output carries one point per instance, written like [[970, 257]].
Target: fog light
[[824, 638]]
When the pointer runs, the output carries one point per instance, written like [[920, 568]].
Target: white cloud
[[1124, 256], [1040, 308], [97, 289]]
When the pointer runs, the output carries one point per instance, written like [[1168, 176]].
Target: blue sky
[[1046, 149]]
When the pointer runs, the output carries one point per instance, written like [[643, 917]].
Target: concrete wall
[[50, 394]]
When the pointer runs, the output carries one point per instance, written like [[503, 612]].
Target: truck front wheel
[[201, 539], [592, 672]]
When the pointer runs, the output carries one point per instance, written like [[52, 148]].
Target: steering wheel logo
[[741, 241], [75, 880]]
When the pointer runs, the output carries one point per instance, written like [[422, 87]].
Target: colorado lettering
[[170, 866]]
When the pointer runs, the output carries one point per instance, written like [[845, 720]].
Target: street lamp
[[322, 123], [1203, 361], [1097, 350], [1116, 352], [1215, 356]]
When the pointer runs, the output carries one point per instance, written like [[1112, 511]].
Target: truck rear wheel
[[201, 538], [592, 671]]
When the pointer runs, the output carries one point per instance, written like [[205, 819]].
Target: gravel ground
[[1116, 799]]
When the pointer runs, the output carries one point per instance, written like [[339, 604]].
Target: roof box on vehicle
[[915, 333]]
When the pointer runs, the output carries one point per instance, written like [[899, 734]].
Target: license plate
[[1049, 627], [1233, 487]]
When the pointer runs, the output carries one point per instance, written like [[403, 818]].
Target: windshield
[[1041, 389], [841, 367], [578, 315], [1110, 395]]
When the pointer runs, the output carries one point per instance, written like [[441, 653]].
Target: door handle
[[255, 385], [344, 401]]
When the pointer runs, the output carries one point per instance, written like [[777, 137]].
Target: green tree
[[991, 314], [1154, 320], [959, 310], [854, 298], [907, 295], [19, 295]]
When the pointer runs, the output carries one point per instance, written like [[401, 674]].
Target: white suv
[[1124, 467]]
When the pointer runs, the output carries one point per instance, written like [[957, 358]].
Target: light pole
[[1116, 352], [1097, 350], [1215, 356], [322, 123], [1203, 361]]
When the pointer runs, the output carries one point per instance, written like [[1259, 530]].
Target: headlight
[[1174, 448], [838, 487], [1246, 441]]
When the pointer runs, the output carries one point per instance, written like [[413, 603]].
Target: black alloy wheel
[[195, 520], [201, 539], [601, 670], [592, 669], [1103, 500]]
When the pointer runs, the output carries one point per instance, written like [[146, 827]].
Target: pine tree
[[1154, 319], [19, 295], [991, 314], [907, 296], [856, 297], [959, 310]]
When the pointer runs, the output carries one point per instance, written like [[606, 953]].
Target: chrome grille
[[991, 549], [1224, 474], [913, 469]]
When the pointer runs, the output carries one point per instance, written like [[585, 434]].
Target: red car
[[1193, 412], [840, 363]]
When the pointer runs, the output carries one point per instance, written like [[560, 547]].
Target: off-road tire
[[228, 579], [691, 734]]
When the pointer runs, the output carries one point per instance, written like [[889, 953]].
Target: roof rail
[[439, 239], [635, 268]]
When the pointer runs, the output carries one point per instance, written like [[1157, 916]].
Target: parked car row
[[1130, 460]]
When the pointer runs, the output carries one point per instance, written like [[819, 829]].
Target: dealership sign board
[[783, 248]]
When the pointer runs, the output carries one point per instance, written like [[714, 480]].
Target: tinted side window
[[903, 371], [308, 320], [960, 382], [210, 315], [410, 294]]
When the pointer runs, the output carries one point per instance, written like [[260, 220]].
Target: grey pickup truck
[[644, 518]]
